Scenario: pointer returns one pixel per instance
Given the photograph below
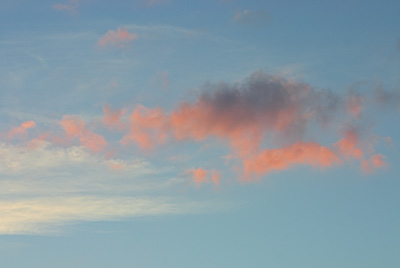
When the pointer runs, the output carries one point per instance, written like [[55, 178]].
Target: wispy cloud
[[119, 38], [45, 188], [46, 215], [71, 6], [252, 17]]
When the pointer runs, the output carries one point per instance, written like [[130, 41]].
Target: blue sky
[[167, 133]]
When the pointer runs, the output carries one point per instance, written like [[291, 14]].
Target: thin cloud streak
[[71, 6], [47, 215], [45, 188]]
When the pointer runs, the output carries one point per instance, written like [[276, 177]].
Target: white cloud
[[44, 188], [46, 215]]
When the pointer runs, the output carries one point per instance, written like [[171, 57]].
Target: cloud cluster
[[269, 124], [262, 110]]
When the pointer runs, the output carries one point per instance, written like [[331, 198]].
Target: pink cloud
[[75, 128], [241, 114], [120, 38], [215, 177], [349, 145], [376, 161], [201, 175], [21, 130], [260, 112], [246, 115], [280, 159], [148, 127]]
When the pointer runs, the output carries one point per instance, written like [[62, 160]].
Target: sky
[[215, 133]]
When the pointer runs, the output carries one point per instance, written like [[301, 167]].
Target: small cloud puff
[[119, 38]]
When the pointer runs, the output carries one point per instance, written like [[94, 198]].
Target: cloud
[[354, 104], [387, 98], [46, 188], [349, 145], [75, 128], [352, 147], [268, 123], [280, 159], [201, 175], [49, 214], [261, 110], [119, 38], [112, 117], [71, 6], [241, 113], [370, 165], [21, 130], [148, 127], [252, 17]]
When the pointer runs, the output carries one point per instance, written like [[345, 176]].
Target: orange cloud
[[279, 159], [120, 37], [75, 128], [21, 130]]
